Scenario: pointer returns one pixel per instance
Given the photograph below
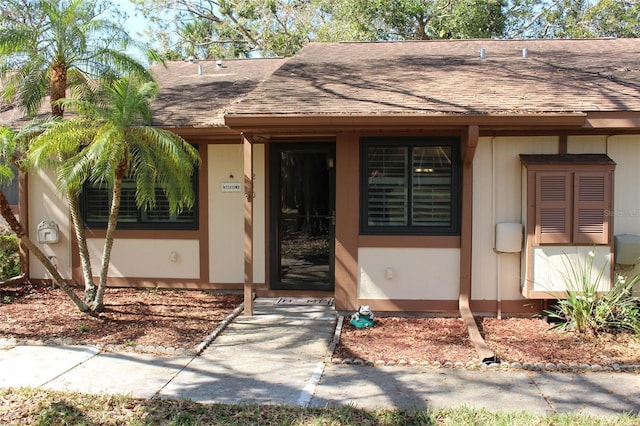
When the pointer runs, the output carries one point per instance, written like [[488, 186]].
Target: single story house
[[417, 176]]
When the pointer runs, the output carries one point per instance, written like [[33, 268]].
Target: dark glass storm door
[[302, 216]]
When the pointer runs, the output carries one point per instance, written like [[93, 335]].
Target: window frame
[[141, 223], [410, 143]]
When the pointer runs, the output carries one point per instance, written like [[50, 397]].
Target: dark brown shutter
[[553, 207], [592, 204]]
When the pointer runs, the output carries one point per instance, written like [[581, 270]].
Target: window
[[96, 201], [410, 186], [572, 197], [11, 190]]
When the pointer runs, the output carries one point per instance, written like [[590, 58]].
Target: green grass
[[45, 407]]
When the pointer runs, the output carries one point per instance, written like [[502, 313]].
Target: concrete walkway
[[278, 357]]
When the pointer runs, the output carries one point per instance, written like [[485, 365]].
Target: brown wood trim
[[203, 211], [530, 229], [347, 221], [466, 247], [169, 284], [266, 292], [248, 224], [533, 131], [509, 307], [409, 241], [389, 306], [173, 283], [267, 213], [613, 120], [466, 228], [129, 234], [469, 144], [293, 122], [217, 134], [562, 144]]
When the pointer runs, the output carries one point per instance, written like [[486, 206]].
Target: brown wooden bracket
[[470, 143]]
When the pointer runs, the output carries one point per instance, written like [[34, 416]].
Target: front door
[[302, 212]]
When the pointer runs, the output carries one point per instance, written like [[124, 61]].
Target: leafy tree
[[48, 46], [281, 27], [573, 18], [114, 139], [613, 18], [421, 19], [204, 39], [238, 27]]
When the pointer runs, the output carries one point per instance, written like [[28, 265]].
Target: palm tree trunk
[[108, 239], [18, 229], [58, 86], [85, 259]]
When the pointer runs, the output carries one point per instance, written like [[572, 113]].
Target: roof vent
[[219, 64], [483, 53], [199, 69], [525, 53], [191, 59]]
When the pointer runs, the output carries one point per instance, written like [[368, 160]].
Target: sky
[[136, 22]]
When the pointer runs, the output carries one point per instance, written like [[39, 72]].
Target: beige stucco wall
[[497, 197], [551, 267], [586, 145], [504, 203], [625, 151], [45, 203], [415, 273], [156, 258], [226, 215]]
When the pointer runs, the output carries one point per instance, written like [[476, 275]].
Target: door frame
[[274, 257]]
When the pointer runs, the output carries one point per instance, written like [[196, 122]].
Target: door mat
[[323, 301]]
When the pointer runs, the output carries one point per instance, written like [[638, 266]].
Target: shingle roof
[[433, 77], [197, 93], [187, 97]]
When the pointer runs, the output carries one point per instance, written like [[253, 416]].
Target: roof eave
[[296, 123]]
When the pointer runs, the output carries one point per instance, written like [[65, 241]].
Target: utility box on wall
[[509, 237], [48, 232], [627, 249]]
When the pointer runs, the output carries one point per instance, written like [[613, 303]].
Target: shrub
[[585, 311], [9, 255]]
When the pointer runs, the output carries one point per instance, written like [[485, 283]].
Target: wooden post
[[469, 145], [248, 225]]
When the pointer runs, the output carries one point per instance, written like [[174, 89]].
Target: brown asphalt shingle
[[434, 77], [187, 98], [197, 94]]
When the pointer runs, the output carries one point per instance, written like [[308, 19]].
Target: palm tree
[[9, 147], [57, 45], [112, 140]]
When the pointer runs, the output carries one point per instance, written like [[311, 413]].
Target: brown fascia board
[[288, 123], [613, 120], [205, 134]]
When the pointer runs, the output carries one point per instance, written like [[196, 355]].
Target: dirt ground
[[182, 319], [512, 339]]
